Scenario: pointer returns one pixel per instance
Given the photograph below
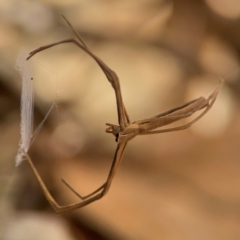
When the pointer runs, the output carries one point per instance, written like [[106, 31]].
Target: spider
[[126, 130]]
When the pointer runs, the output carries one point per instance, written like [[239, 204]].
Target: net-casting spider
[[126, 130]]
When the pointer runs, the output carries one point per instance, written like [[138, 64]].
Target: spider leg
[[61, 209], [112, 172], [209, 103], [112, 77], [182, 127], [78, 194], [123, 120]]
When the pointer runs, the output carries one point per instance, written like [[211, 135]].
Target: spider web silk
[[27, 98]]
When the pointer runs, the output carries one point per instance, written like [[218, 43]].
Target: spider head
[[124, 135], [114, 129]]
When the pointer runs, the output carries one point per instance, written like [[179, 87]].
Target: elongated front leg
[[61, 209], [105, 187], [81, 196], [123, 118]]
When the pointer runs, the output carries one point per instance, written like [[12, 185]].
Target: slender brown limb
[[112, 77], [105, 187], [208, 105], [75, 32], [61, 209], [78, 194]]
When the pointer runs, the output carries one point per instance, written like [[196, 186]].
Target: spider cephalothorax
[[125, 134]]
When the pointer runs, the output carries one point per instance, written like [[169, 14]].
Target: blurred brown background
[[180, 185]]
